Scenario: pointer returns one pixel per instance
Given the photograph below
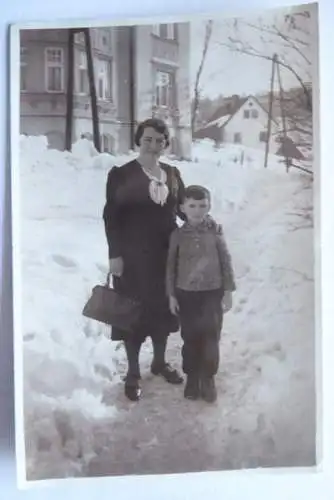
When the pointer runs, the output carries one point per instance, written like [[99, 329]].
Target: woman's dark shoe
[[132, 390], [171, 375], [191, 390], [208, 389]]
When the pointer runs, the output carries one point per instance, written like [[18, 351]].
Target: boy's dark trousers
[[201, 319]]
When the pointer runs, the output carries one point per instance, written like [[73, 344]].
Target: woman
[[143, 198]]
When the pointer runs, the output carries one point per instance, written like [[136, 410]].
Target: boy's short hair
[[196, 193]]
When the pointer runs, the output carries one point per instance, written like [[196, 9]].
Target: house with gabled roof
[[244, 120], [241, 120]]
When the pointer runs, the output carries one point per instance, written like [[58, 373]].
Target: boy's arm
[[171, 264], [226, 262]]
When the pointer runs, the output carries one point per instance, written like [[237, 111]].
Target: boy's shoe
[[191, 390], [170, 374], [132, 389], [208, 389]]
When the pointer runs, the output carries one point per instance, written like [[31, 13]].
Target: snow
[[220, 122], [69, 362]]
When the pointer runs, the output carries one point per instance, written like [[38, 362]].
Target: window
[[23, 68], [164, 89], [82, 72], [175, 148], [104, 143], [54, 69], [171, 31], [79, 37], [166, 31], [237, 138], [263, 136], [104, 79], [107, 143], [253, 113]]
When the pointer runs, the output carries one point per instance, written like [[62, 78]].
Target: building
[[140, 71], [241, 120], [245, 120]]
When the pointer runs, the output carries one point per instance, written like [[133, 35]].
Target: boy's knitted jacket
[[198, 259]]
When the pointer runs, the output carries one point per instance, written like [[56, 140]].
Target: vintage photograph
[[163, 215]]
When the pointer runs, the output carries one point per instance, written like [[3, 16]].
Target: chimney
[[232, 103]]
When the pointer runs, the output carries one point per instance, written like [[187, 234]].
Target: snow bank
[[69, 362]]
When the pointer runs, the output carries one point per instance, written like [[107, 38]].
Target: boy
[[200, 283]]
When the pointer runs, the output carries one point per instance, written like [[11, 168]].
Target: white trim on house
[[164, 93], [104, 75], [81, 66], [171, 31], [55, 64], [165, 62]]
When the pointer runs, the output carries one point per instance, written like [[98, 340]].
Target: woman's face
[[152, 143]]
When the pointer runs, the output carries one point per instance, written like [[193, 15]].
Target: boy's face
[[195, 210]]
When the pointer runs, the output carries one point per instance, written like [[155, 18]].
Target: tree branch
[[251, 52], [276, 32]]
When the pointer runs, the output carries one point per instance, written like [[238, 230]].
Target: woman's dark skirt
[[144, 279]]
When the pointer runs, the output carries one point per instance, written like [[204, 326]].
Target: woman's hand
[[173, 305], [116, 266], [227, 302]]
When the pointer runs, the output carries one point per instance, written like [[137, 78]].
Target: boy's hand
[[173, 305], [227, 301], [116, 266]]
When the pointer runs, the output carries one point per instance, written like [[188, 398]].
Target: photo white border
[[18, 344]]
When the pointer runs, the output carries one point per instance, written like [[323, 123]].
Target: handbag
[[112, 308]]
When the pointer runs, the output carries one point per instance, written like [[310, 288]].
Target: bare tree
[[207, 37], [290, 39]]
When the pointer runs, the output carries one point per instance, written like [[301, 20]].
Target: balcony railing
[[105, 106], [46, 103], [43, 103]]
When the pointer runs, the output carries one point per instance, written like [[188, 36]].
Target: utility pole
[[275, 66], [270, 113], [70, 89], [132, 45], [281, 98]]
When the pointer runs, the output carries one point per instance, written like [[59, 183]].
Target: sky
[[227, 72]]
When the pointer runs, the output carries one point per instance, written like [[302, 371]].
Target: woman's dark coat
[[138, 230]]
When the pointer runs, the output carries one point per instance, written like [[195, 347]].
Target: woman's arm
[[111, 215], [171, 267], [180, 194]]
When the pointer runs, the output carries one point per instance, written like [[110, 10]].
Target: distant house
[[240, 120], [244, 120]]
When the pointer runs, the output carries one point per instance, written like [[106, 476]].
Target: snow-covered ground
[[268, 339]]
